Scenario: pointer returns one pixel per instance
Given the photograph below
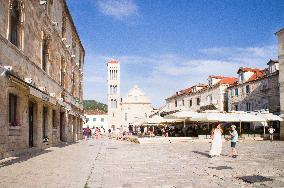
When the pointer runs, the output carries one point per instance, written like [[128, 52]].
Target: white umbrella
[[270, 117], [184, 114]]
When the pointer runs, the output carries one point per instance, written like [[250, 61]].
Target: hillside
[[95, 105]]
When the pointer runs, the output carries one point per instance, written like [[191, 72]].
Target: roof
[[217, 77], [112, 62], [136, 95], [281, 30], [94, 112], [228, 80], [248, 69], [272, 61]]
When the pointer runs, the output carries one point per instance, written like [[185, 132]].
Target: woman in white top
[[216, 141]]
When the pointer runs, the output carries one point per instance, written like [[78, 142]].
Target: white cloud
[[118, 9], [161, 75]]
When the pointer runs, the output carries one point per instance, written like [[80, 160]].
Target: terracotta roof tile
[[112, 62], [228, 80], [94, 112], [217, 77]]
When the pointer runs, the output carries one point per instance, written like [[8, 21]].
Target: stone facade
[[202, 97], [41, 67], [256, 92], [280, 36]]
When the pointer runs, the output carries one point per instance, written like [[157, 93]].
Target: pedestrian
[[97, 133], [167, 130], [151, 130], [271, 131], [216, 141], [142, 130], [234, 139], [130, 129], [85, 133], [109, 133], [117, 133]]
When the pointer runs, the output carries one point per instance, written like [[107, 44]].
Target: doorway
[[62, 115], [31, 124]]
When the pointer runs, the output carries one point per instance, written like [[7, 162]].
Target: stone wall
[[46, 89], [264, 94], [280, 36]]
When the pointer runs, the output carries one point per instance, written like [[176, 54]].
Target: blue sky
[[167, 45]]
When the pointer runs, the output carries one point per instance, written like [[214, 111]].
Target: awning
[[184, 114]]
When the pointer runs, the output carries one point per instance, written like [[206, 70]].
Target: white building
[[96, 119], [133, 109]]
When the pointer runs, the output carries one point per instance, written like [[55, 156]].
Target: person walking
[[97, 133], [271, 131], [234, 140], [216, 141], [130, 129], [142, 130]]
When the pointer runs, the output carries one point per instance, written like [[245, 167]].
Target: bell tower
[[113, 81]]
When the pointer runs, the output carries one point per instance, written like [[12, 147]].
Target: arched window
[[111, 103], [115, 103], [15, 23], [44, 52]]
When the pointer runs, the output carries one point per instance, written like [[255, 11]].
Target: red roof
[[94, 112], [247, 69], [113, 61], [217, 77], [256, 75], [228, 80]]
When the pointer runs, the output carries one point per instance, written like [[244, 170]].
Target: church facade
[[133, 109]]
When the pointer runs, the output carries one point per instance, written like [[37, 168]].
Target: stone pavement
[[67, 166], [115, 164]]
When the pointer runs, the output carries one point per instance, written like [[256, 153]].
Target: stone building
[[202, 97], [280, 36], [256, 89], [41, 74], [133, 109]]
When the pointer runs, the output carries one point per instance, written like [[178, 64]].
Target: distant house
[[96, 119], [256, 89], [200, 97]]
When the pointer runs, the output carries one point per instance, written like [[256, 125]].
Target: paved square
[[114, 164]]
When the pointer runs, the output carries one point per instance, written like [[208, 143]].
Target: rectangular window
[[190, 102], [242, 78], [87, 119], [12, 109], [198, 101], [94, 119], [236, 92], [248, 89], [182, 102], [125, 116], [232, 92], [248, 105], [53, 118], [102, 119], [176, 104]]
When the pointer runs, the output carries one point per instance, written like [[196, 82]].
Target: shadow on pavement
[[201, 153], [21, 158], [30, 153]]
